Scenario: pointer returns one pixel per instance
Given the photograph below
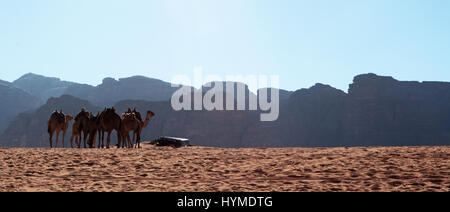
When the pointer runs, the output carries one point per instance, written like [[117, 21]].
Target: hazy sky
[[304, 42]]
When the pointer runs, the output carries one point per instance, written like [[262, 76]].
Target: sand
[[213, 169]]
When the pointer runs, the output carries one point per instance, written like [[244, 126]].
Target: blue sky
[[303, 42]]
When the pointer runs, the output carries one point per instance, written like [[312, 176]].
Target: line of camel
[[106, 121]]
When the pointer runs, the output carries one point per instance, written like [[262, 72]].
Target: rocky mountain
[[283, 94], [41, 86], [38, 89], [108, 93], [312, 117], [384, 111], [112, 91], [376, 111], [14, 101]]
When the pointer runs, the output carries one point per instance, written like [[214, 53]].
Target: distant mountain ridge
[[14, 101], [112, 91], [108, 93], [41, 86], [376, 111]]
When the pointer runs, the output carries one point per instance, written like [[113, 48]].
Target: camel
[[76, 133], [80, 126], [101, 130], [92, 128], [143, 124], [108, 121], [129, 123], [58, 122]]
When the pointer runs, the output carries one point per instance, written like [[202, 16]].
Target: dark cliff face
[[377, 111], [313, 117], [112, 91], [383, 111], [14, 101]]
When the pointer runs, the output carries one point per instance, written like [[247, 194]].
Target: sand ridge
[[215, 169]]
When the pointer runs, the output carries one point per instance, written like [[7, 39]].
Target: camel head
[[150, 114], [68, 118]]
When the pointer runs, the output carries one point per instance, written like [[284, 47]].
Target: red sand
[[213, 169]]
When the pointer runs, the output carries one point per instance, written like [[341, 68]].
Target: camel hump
[[57, 117]]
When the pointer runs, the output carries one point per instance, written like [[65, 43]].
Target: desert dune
[[214, 169]]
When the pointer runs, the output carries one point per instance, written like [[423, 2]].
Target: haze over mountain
[[108, 93], [41, 86], [112, 91], [14, 101], [377, 111]]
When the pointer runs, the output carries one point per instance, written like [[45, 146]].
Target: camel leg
[[78, 140], [99, 138], [89, 142], [85, 137], [103, 139], [51, 136], [108, 139], [119, 139], [94, 139], [124, 141], [57, 136], [64, 135], [138, 141], [71, 140], [102, 134], [129, 140], [121, 144]]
